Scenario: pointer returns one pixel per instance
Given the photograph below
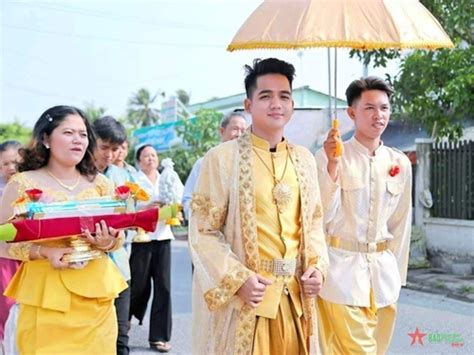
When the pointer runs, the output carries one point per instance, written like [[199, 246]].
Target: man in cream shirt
[[366, 197]]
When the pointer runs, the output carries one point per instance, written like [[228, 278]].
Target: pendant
[[282, 195]]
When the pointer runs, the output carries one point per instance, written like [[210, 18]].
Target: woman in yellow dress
[[64, 308]]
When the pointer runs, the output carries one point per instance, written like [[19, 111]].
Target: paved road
[[431, 314], [181, 291]]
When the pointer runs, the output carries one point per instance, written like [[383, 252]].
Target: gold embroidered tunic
[[279, 232], [230, 233]]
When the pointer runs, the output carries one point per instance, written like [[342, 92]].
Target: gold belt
[[279, 267], [355, 246]]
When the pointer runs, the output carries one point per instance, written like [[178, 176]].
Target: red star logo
[[417, 336]]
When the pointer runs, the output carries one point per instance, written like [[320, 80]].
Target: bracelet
[[20, 251], [109, 246], [37, 252]]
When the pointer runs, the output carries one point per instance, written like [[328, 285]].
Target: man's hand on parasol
[[330, 147]]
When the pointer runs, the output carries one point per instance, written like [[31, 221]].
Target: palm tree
[[183, 96], [140, 111], [93, 112]]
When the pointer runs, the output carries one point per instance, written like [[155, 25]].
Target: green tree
[[140, 110], [199, 134], [435, 87], [15, 131], [94, 112], [183, 96]]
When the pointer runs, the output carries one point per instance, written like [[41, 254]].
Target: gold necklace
[[281, 191], [67, 187]]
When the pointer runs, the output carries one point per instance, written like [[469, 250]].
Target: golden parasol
[[357, 24]]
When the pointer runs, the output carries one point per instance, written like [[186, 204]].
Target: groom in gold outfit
[[256, 233]]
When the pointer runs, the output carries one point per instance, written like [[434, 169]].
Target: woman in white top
[[152, 261]]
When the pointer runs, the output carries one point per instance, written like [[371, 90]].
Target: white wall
[[308, 127], [454, 236]]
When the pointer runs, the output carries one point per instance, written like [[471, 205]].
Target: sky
[[101, 52]]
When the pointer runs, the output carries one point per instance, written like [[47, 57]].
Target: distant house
[[308, 126], [400, 135], [311, 119], [303, 96]]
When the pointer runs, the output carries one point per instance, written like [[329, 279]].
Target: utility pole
[[303, 98]]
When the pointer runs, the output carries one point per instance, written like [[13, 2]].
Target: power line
[[121, 18], [40, 93], [111, 81], [118, 40]]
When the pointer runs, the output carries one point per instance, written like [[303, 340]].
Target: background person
[[111, 134], [151, 262], [121, 155], [232, 126], [9, 159]]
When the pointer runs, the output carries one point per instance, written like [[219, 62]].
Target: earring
[[46, 146]]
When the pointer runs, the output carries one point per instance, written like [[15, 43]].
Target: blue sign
[[162, 137]]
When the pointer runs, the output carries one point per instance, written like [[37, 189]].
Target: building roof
[[303, 96], [398, 134], [402, 134]]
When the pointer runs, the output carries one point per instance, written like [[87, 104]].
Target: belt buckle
[[284, 267], [371, 247]]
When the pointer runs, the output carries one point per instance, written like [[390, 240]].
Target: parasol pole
[[335, 121], [329, 87], [335, 83]]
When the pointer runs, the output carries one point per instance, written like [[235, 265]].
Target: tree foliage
[[435, 87], [94, 112], [183, 96], [140, 111], [15, 131], [199, 134]]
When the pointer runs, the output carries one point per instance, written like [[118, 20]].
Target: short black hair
[[140, 150], [266, 66], [9, 145], [108, 129], [357, 87]]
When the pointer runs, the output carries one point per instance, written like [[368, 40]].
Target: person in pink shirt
[[8, 162]]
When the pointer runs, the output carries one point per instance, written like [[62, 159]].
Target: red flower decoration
[[394, 171], [34, 194], [122, 192]]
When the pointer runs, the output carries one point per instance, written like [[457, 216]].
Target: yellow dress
[[66, 311]]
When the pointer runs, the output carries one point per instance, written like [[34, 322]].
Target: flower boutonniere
[[394, 170]]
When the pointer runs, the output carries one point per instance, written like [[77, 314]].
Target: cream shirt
[[163, 230], [366, 204]]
